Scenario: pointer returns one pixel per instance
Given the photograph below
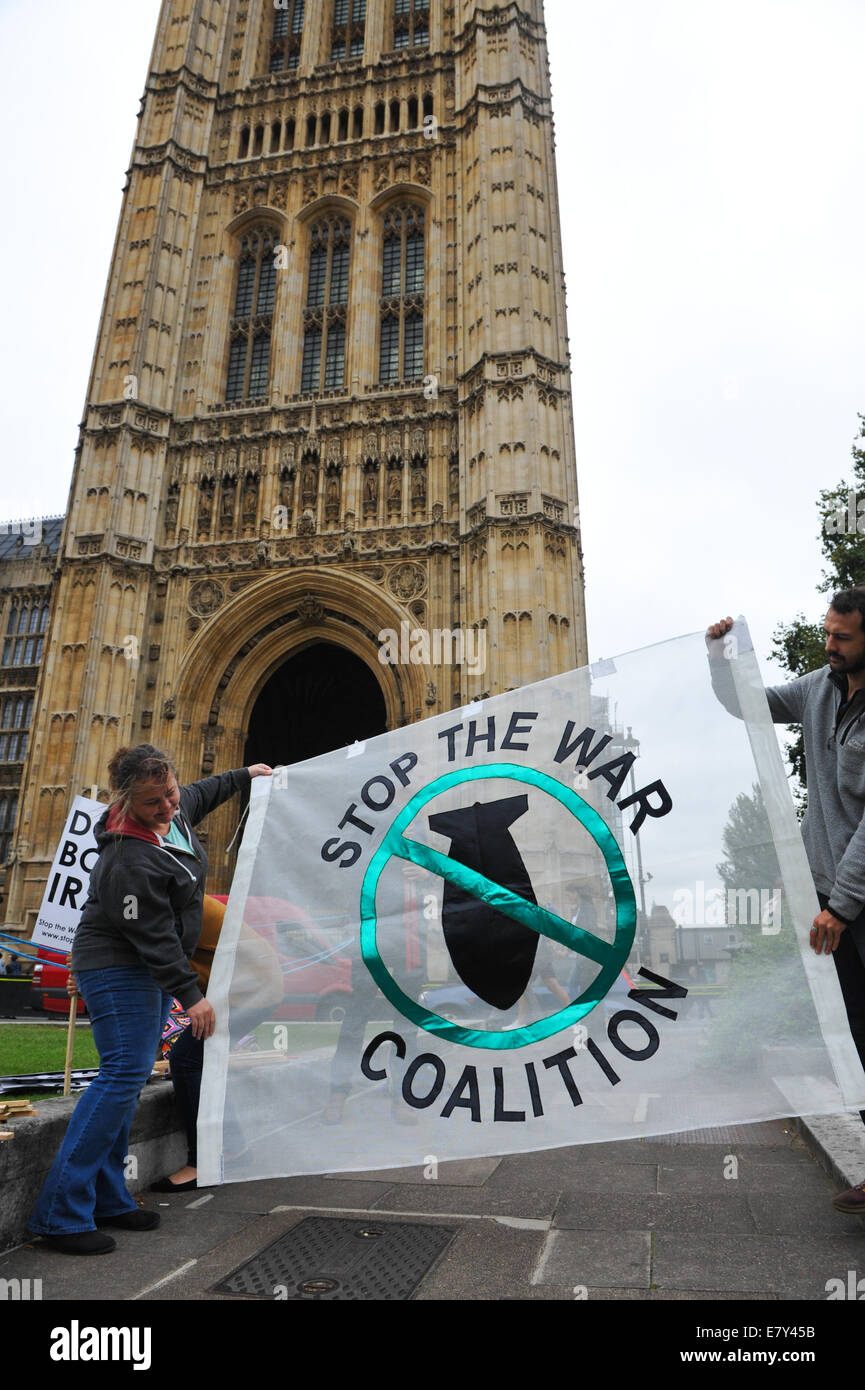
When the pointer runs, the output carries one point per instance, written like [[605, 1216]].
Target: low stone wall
[[156, 1142]]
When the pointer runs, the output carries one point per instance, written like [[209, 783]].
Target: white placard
[[69, 877]]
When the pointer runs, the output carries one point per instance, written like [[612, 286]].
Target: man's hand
[[826, 933], [260, 770], [719, 629]]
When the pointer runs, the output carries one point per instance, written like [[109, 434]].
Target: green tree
[[751, 860], [765, 981], [798, 646]]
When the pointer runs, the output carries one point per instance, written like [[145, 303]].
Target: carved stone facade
[[28, 559], [235, 495]]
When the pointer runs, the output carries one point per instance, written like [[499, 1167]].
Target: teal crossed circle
[[611, 956]]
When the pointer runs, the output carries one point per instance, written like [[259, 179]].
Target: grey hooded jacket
[[834, 826], [146, 896]]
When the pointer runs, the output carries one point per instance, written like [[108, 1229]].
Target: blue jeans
[[88, 1181]]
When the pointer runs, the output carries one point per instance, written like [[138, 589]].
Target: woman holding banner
[[138, 929]]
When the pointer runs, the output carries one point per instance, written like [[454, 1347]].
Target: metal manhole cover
[[330, 1259]]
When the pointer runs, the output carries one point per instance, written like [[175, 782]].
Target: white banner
[[69, 877], [577, 912]]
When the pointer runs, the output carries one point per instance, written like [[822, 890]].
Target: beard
[[847, 665]]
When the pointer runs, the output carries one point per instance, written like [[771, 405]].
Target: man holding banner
[[830, 703]]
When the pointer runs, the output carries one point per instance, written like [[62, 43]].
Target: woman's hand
[[260, 770], [202, 1019]]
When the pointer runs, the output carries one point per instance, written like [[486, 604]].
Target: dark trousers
[[187, 1062], [850, 965]]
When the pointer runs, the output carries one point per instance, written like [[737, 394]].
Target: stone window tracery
[[349, 29], [15, 717], [411, 23], [8, 812], [402, 294], [325, 315], [252, 321], [287, 36], [25, 634]]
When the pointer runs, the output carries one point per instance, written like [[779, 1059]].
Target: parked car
[[48, 990], [316, 969]]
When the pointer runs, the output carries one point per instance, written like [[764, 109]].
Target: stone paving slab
[[263, 1196], [462, 1172], [653, 1212], [789, 1148], [776, 1214], [711, 1296], [140, 1257], [613, 1179], [839, 1143], [783, 1265], [485, 1261], [804, 1178], [590, 1258], [675, 1296], [531, 1204]]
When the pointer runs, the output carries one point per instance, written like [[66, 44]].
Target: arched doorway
[[322, 698]]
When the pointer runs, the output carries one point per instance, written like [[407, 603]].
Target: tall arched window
[[402, 294], [25, 633], [287, 35], [15, 716], [324, 319], [349, 24], [8, 812], [252, 323], [410, 23]]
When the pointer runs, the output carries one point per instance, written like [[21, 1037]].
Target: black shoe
[[166, 1185], [82, 1243], [137, 1220]]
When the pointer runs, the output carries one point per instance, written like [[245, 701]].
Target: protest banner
[[575, 912]]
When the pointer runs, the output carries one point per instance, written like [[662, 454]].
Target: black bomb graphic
[[492, 953], [492, 920]]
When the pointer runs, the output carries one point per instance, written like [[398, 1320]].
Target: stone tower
[[330, 398]]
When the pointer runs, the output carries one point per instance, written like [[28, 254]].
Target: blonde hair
[[129, 766]]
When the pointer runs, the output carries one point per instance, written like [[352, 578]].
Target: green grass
[[26, 1047]]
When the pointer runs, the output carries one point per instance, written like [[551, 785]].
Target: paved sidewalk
[[723, 1215]]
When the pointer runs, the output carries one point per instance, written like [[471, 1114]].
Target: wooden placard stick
[[70, 1032]]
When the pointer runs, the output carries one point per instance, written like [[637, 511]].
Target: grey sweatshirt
[[146, 896], [834, 826]]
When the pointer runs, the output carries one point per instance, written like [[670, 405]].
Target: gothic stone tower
[[330, 395]]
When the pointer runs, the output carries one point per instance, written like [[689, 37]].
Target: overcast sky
[[713, 202]]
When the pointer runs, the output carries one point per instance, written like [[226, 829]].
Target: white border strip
[[213, 1082]]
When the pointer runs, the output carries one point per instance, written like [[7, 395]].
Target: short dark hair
[[850, 601]]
